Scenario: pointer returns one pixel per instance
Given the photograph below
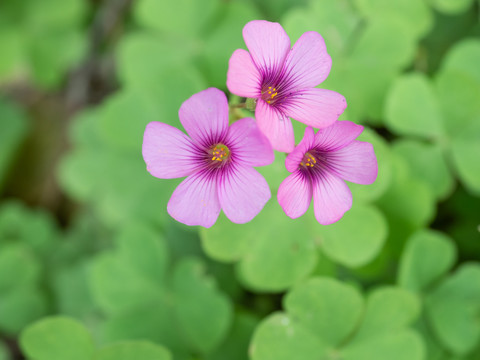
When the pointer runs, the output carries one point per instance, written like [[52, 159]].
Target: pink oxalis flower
[[319, 165], [283, 80], [217, 159]]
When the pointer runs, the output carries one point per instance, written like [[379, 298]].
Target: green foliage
[[264, 251], [225, 39], [412, 109], [451, 6], [60, 338], [184, 17], [396, 278], [357, 238], [334, 20], [418, 272], [132, 279], [464, 152], [130, 350], [310, 328], [57, 338], [24, 251], [408, 203], [426, 160], [34, 32], [453, 309], [415, 14]]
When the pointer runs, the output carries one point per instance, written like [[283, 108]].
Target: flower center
[[308, 161], [270, 94], [218, 155]]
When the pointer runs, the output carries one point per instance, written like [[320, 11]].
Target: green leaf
[[133, 350], [13, 128], [412, 107], [451, 7], [183, 17], [57, 338], [55, 14], [225, 39], [418, 272], [428, 163], [203, 313], [279, 255], [356, 238], [83, 129], [364, 85], [322, 319], [279, 337], [403, 345], [105, 177], [143, 58], [49, 65], [415, 14], [20, 307], [120, 126], [17, 259], [334, 20], [464, 56], [235, 346], [72, 292], [142, 323], [465, 150], [117, 287], [408, 203], [276, 172], [327, 308], [458, 94], [145, 250], [40, 236], [226, 241], [264, 251], [13, 59], [384, 43], [453, 309], [388, 310]]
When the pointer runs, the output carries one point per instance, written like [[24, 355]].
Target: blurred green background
[[92, 266]]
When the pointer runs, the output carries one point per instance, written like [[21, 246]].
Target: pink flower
[[283, 81], [319, 164], [217, 159]]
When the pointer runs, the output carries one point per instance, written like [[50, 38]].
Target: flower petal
[[308, 64], [268, 44], [243, 77], [315, 107], [275, 126], [205, 116], [331, 198], [195, 201], [295, 157], [242, 192], [355, 162], [167, 151], [248, 144], [337, 135], [295, 194]]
